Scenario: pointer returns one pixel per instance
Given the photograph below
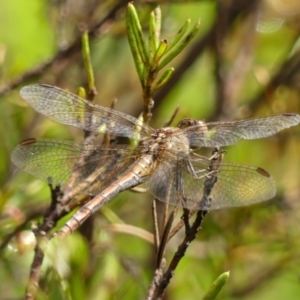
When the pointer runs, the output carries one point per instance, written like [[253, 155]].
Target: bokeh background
[[244, 62]]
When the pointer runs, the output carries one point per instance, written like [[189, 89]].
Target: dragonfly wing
[[236, 185], [66, 108], [218, 134], [169, 181], [183, 184], [163, 184], [87, 168]]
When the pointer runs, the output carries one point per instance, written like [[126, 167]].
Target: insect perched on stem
[[163, 159]]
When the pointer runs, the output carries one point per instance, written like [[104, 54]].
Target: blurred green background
[[243, 63]]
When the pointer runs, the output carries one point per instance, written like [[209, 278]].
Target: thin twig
[[191, 231], [41, 233], [164, 239], [62, 53], [35, 273], [155, 225]]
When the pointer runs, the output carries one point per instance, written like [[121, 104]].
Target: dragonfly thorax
[[168, 139], [177, 142]]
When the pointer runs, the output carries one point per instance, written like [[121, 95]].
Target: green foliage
[[216, 287], [149, 60], [87, 62], [152, 58]]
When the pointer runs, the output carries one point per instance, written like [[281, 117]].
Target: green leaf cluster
[[150, 58]]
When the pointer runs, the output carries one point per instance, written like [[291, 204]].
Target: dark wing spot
[[263, 172], [28, 142]]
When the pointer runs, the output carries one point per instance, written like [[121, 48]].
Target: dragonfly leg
[[192, 171], [211, 178], [179, 186]]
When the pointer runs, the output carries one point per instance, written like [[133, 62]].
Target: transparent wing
[[87, 168], [182, 184], [218, 134], [66, 108]]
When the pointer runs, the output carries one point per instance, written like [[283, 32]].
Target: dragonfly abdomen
[[134, 177]]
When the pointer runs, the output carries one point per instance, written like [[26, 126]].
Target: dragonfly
[[164, 159]]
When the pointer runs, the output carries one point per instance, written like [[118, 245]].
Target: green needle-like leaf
[[182, 31], [81, 92], [134, 23], [161, 50], [87, 62], [139, 65], [216, 287], [180, 46], [154, 30], [163, 79], [138, 126]]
